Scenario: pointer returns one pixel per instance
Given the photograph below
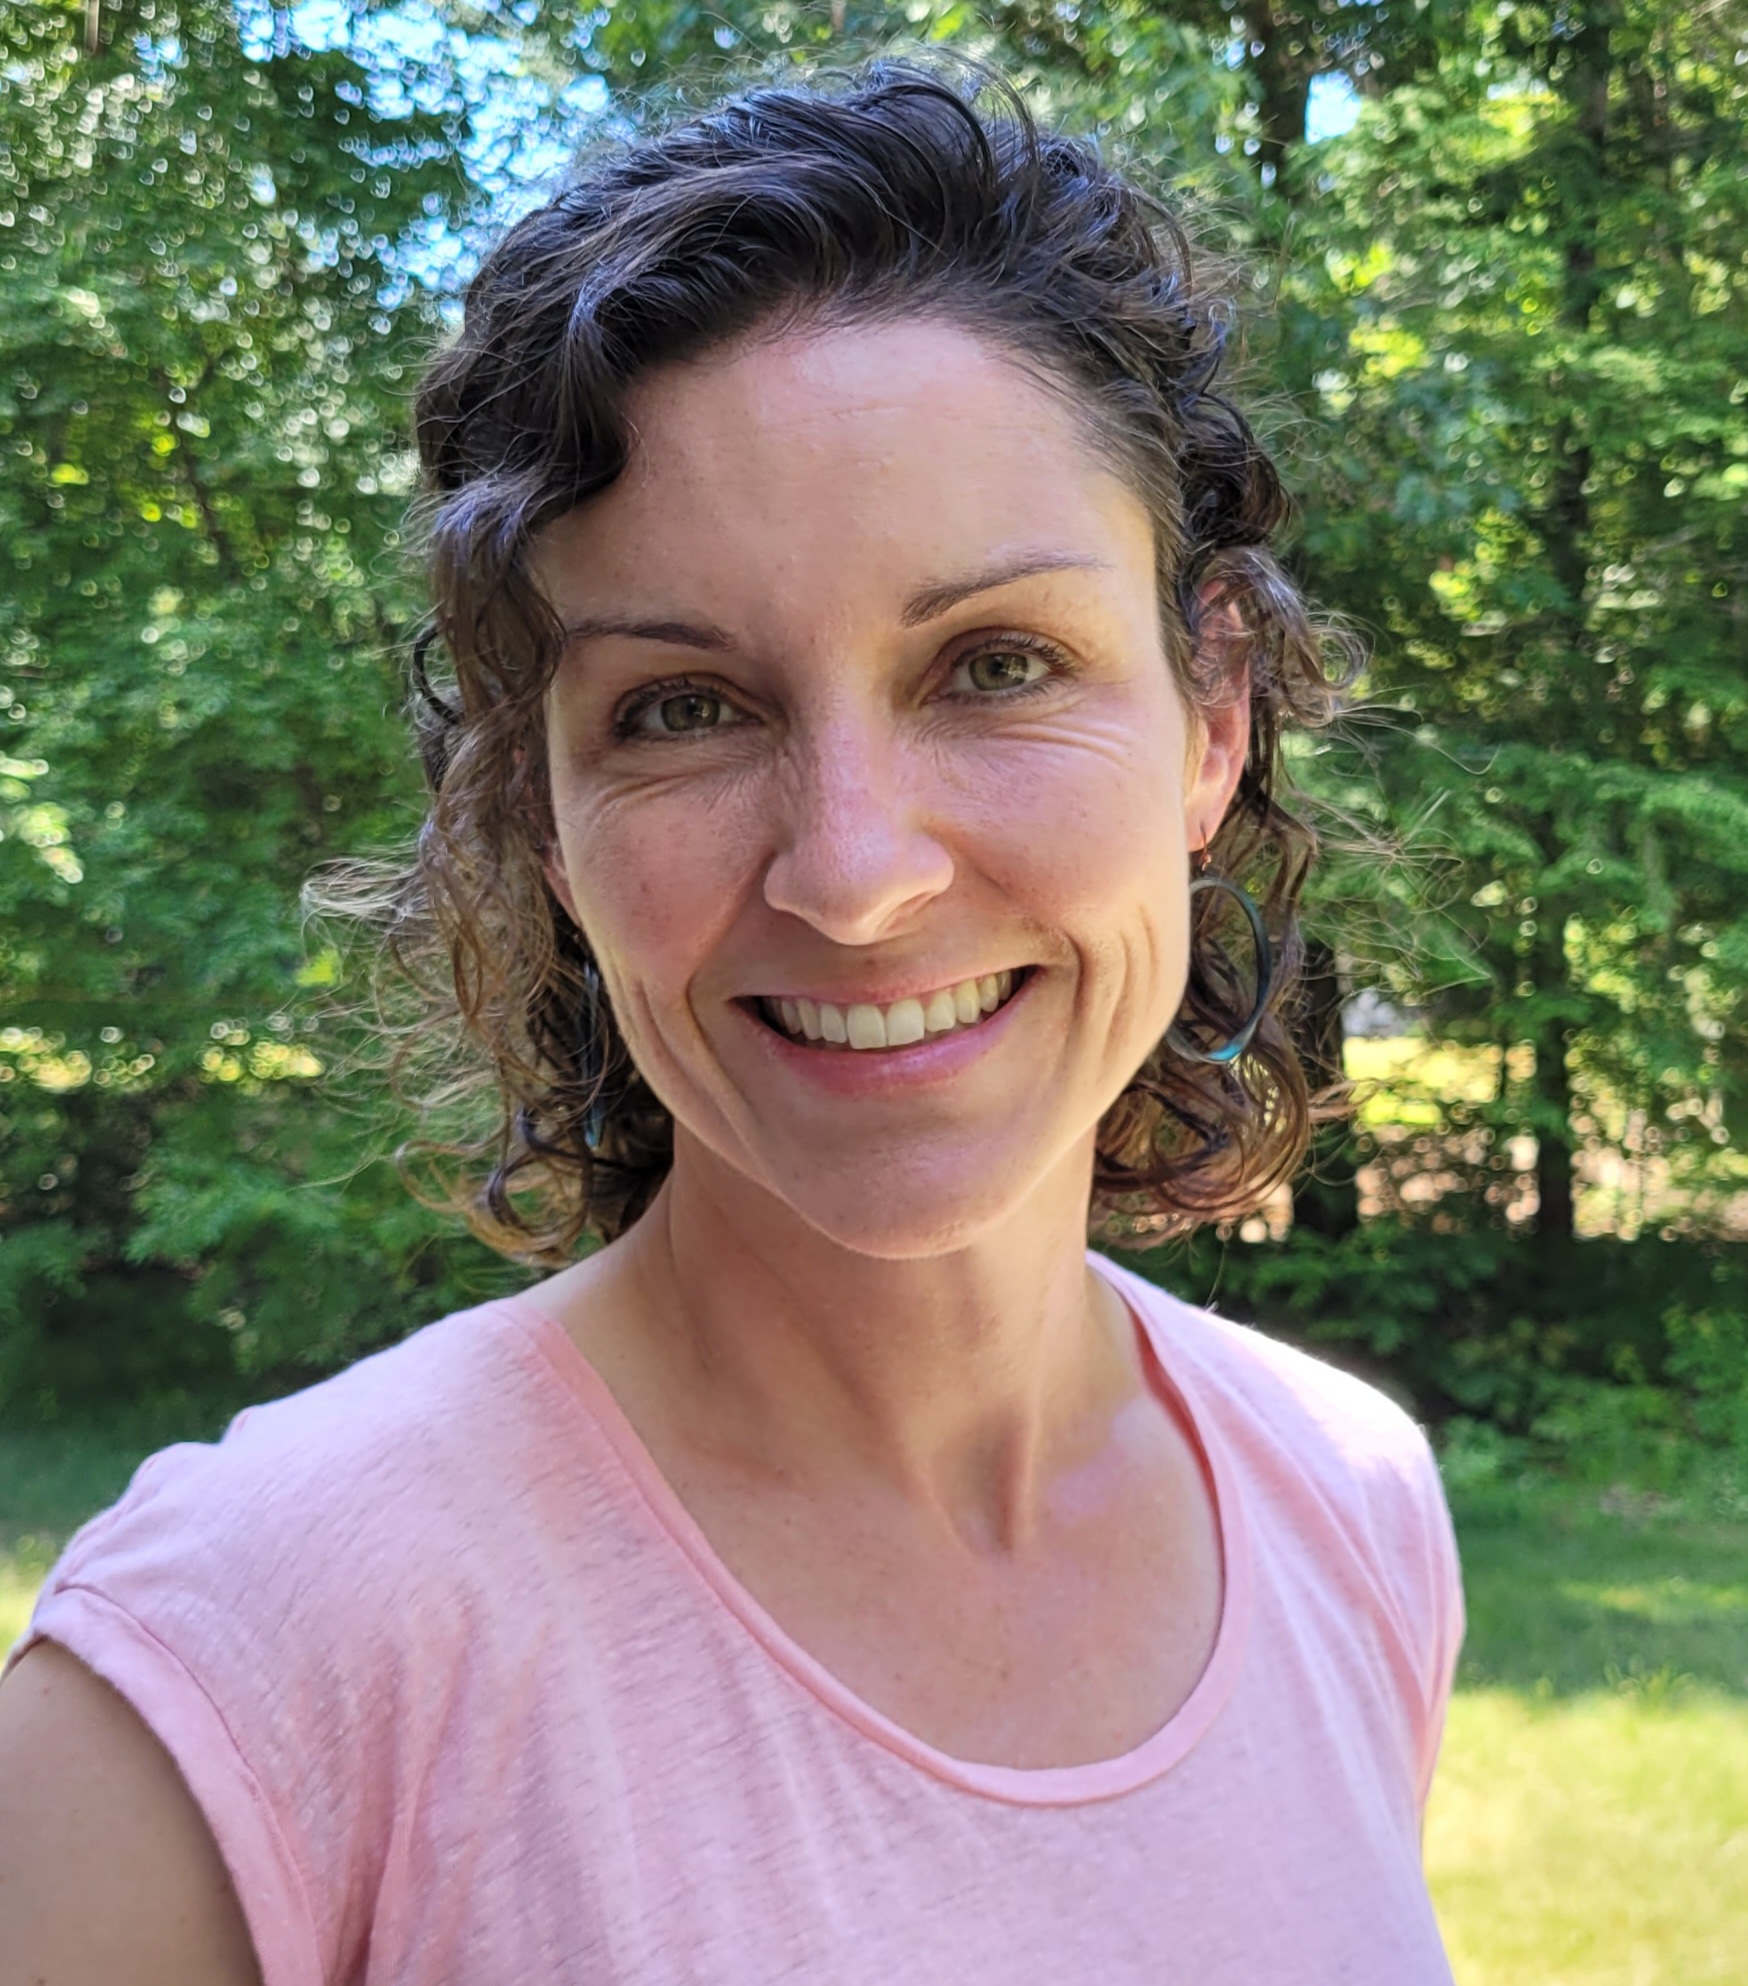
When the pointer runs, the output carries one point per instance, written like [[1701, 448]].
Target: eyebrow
[[928, 603], [674, 634]]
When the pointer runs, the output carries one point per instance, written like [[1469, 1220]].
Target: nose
[[857, 857]]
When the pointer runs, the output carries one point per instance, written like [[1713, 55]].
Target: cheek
[[1086, 837], [656, 885], [1086, 826]]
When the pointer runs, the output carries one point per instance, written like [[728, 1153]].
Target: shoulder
[[1330, 1419], [288, 1610], [107, 1867], [340, 1539], [1344, 1473], [301, 1485]]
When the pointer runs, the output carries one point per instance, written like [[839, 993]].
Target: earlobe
[[1229, 737]]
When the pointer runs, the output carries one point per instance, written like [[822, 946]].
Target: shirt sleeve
[[176, 1708], [207, 1598], [1445, 1616]]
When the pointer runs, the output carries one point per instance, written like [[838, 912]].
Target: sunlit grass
[[1597, 1840], [1589, 1825], [1672, 1602], [20, 1576]]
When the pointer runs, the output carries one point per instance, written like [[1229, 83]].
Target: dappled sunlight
[[1672, 1602], [1425, 1105]]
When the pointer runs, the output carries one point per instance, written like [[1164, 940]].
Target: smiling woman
[[968, 318], [862, 632], [959, 757]]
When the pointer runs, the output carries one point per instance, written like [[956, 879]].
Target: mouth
[[865, 1028]]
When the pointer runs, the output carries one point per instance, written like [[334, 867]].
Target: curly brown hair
[[893, 191]]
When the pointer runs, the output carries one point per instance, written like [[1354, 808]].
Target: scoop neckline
[[1032, 1786]]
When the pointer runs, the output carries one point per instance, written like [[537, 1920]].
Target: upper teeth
[[897, 1025]]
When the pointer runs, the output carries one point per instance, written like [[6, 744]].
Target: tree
[[1503, 328], [1526, 334], [207, 339]]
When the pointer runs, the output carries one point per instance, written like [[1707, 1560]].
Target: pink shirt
[[467, 1698]]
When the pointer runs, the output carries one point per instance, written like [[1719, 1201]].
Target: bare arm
[[108, 1871]]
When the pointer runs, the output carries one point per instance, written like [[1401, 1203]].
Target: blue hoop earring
[[1230, 1051], [592, 1059]]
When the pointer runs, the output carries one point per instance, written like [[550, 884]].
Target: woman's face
[[865, 724]]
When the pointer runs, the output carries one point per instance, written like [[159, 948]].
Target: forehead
[[846, 455]]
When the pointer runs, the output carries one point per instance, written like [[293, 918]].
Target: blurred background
[[1493, 288]]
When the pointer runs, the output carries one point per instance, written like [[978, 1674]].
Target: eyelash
[[625, 718], [1025, 644]]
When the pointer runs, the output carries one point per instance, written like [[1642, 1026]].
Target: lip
[[884, 1071]]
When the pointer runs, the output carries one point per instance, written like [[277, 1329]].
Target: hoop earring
[[1230, 1051], [592, 1058]]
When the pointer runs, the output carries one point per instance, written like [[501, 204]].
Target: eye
[[682, 711], [1003, 669]]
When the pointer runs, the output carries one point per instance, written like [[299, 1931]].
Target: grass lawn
[[1590, 1822], [1596, 1840], [1589, 1826]]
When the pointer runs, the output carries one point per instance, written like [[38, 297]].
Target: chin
[[899, 1213]]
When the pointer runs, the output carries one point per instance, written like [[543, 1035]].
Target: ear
[[1220, 731], [552, 861], [552, 867], [557, 878]]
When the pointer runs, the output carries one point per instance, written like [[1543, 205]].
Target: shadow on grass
[[54, 1477], [1574, 1590]]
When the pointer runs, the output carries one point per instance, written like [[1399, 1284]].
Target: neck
[[965, 1380]]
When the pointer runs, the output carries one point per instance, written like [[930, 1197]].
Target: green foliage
[[1616, 1361], [1501, 329], [206, 343], [1523, 333]]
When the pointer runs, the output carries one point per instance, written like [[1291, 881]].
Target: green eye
[[689, 713], [685, 713], [998, 669]]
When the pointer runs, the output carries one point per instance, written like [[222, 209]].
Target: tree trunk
[[1554, 1170], [1282, 67], [1565, 527], [1326, 1199]]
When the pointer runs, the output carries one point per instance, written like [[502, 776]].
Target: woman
[[866, 659]]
